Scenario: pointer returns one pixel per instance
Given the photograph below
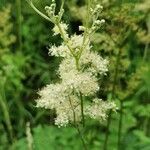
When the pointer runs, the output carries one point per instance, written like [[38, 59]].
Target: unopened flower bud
[[81, 28]]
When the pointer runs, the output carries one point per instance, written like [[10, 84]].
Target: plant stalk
[[82, 110], [5, 110], [113, 96], [107, 131], [77, 127], [145, 51], [120, 124], [19, 26]]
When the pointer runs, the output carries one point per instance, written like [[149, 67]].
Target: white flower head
[[52, 96], [81, 28], [68, 111], [97, 65], [60, 51], [62, 120], [64, 28], [76, 42], [81, 82], [99, 108]]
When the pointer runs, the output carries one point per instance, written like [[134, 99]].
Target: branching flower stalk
[[74, 96]]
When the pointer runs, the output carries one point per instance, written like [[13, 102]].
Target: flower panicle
[[78, 71]]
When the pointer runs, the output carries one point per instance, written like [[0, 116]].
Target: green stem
[[107, 131], [83, 142], [7, 118], [62, 4], [148, 125], [77, 127], [145, 124], [113, 96], [82, 110], [39, 12], [70, 49], [19, 34], [65, 39], [86, 30], [145, 52], [120, 124], [88, 13], [5, 110]]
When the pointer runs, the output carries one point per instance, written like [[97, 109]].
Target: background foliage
[[25, 67]]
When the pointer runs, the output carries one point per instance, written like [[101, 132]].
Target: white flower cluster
[[63, 27], [75, 43], [65, 114], [60, 51], [95, 13], [78, 75], [99, 108], [96, 10], [52, 96], [96, 64], [81, 82]]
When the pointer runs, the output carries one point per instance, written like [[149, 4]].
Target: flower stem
[[39, 12], [77, 127], [83, 142], [113, 96], [66, 42], [145, 51], [82, 110], [5, 110], [120, 124], [107, 131], [19, 34]]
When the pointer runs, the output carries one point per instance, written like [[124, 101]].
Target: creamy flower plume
[[78, 70]]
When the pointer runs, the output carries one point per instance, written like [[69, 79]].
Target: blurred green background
[[25, 67]]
